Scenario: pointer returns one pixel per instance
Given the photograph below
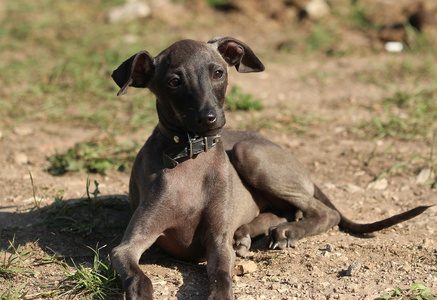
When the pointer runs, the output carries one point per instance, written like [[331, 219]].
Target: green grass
[[98, 281], [358, 19], [238, 100], [405, 115], [412, 165], [395, 71], [84, 217], [92, 279], [217, 3], [56, 58], [12, 259], [418, 291], [323, 38], [93, 158], [287, 121], [61, 55], [14, 294], [418, 42]]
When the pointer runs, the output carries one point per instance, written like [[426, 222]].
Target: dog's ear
[[238, 54], [136, 71]]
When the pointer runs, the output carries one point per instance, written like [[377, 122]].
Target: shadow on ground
[[74, 229]]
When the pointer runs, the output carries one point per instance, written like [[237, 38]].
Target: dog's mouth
[[205, 131], [209, 132], [202, 124]]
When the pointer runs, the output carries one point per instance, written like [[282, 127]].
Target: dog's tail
[[358, 228]]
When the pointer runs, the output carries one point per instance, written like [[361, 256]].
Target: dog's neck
[[184, 145]]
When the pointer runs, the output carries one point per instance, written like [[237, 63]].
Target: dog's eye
[[175, 82], [217, 74]]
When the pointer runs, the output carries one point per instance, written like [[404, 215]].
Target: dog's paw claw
[[273, 245], [282, 237]]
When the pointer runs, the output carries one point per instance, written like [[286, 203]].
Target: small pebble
[[23, 130], [20, 158], [245, 267], [352, 188], [353, 268], [423, 175], [380, 185]]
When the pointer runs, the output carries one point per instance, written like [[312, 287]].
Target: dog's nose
[[208, 117], [211, 117]]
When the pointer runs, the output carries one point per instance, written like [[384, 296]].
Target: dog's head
[[189, 80]]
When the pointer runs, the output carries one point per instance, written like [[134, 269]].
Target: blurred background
[[349, 87], [57, 56]]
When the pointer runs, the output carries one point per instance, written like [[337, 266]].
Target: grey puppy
[[201, 192]]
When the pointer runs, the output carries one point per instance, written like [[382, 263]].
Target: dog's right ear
[[137, 71]]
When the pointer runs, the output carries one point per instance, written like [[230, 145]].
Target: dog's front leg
[[125, 257], [221, 259], [218, 237]]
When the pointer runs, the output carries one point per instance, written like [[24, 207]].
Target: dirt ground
[[341, 162]]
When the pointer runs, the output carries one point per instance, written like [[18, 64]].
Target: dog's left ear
[[238, 54], [136, 71]]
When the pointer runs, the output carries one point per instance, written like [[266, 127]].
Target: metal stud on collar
[[191, 145], [205, 141]]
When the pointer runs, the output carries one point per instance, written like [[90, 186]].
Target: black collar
[[185, 145]]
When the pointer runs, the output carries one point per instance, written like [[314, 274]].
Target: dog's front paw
[[138, 288], [284, 235], [220, 286]]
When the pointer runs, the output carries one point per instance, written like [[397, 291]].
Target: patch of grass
[[393, 71], [93, 158], [98, 281], [38, 197], [84, 217], [424, 162], [94, 279], [299, 124], [12, 258], [417, 291], [217, 3], [357, 17], [96, 191], [237, 100], [404, 115], [417, 41], [36, 201], [323, 38], [14, 294], [285, 122], [63, 54], [401, 165]]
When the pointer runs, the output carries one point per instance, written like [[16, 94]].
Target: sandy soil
[[340, 161]]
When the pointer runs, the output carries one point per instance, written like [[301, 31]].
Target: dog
[[201, 192]]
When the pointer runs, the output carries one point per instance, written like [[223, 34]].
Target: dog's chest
[[193, 182], [191, 189]]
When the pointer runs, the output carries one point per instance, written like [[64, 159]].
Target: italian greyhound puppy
[[201, 192]]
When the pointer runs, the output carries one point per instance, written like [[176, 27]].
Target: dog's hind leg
[[286, 185], [259, 226]]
